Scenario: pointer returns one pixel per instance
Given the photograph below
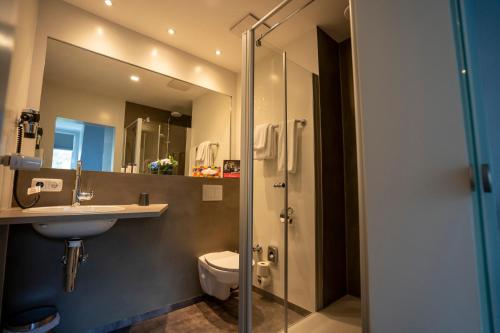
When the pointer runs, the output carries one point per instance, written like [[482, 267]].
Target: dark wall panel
[[134, 111], [329, 124], [138, 266], [350, 169]]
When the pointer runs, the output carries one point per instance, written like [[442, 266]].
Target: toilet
[[219, 273]]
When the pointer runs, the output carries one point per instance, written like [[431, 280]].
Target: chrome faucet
[[78, 195]]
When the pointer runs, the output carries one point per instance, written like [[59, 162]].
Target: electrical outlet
[[47, 184], [212, 193]]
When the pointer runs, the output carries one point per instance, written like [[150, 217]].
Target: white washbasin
[[74, 229], [74, 209]]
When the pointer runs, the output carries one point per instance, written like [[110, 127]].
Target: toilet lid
[[226, 261]]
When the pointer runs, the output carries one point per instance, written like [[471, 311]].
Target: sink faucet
[[78, 195]]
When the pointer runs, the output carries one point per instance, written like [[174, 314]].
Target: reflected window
[[63, 150], [62, 159], [75, 140]]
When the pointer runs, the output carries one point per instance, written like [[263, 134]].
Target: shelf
[[17, 216]]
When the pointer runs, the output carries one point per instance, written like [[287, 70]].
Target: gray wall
[[138, 266], [416, 201]]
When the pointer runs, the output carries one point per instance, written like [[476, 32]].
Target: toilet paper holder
[[272, 254]]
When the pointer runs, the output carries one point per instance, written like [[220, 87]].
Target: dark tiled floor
[[211, 315]]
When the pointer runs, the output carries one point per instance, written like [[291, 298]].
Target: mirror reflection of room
[[118, 117]]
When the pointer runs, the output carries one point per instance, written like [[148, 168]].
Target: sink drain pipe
[[74, 255]]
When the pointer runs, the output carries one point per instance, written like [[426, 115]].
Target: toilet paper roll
[[263, 269]]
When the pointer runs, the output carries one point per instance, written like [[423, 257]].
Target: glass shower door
[[300, 194], [142, 139], [476, 26], [269, 182], [284, 230]]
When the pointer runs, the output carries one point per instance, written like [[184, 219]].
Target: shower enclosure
[[277, 198], [146, 141]]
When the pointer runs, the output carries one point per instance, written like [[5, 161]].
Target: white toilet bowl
[[219, 273]]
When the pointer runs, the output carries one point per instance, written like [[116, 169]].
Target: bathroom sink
[[74, 209], [74, 229]]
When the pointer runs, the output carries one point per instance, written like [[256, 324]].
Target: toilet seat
[[225, 261], [219, 273]]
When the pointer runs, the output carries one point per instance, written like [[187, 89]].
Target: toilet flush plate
[[212, 193]]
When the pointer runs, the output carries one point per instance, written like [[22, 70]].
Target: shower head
[[175, 114]]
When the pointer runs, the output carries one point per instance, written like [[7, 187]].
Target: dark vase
[[167, 172]]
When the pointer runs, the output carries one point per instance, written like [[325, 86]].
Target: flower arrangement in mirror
[[164, 167]]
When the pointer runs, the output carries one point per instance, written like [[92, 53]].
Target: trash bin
[[37, 320]]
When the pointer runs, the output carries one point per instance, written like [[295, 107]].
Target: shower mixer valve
[[257, 249], [289, 215]]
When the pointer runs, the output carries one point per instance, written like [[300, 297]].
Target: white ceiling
[[202, 26], [81, 69]]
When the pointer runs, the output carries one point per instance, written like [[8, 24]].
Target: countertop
[[17, 216]]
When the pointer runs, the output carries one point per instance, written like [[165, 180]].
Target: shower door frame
[[249, 43], [246, 195], [246, 184], [246, 181]]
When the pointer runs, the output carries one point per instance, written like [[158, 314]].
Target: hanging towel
[[203, 154], [292, 131], [264, 142], [260, 137]]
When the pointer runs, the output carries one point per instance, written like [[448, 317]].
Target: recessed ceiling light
[[134, 78], [154, 52], [108, 3], [171, 31], [218, 52]]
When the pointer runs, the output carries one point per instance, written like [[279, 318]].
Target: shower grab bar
[[276, 25], [270, 14]]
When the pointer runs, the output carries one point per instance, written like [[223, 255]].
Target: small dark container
[[144, 199]]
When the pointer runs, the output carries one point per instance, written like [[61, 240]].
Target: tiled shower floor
[[343, 316], [211, 315]]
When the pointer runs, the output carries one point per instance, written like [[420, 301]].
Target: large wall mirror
[[114, 116]]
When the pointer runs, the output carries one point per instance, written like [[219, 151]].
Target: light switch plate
[[48, 184], [212, 193]]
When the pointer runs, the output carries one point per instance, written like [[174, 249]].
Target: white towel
[[260, 137], [264, 142], [204, 154], [293, 139]]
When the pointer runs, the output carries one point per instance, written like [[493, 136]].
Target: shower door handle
[[279, 185], [486, 178]]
